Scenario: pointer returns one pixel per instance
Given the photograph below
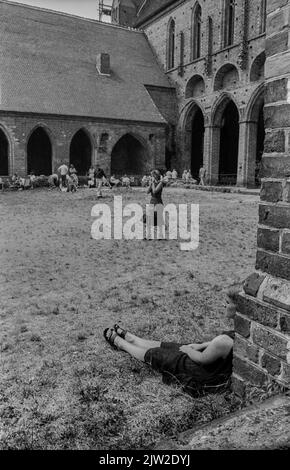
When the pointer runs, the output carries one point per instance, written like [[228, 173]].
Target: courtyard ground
[[61, 385]]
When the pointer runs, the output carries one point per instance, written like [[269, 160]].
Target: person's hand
[[186, 349], [196, 347]]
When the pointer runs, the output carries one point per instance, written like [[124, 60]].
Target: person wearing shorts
[[197, 368]]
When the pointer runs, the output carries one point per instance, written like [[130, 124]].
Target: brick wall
[[262, 347], [61, 130], [243, 93]]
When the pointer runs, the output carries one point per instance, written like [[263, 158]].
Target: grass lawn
[[62, 386]]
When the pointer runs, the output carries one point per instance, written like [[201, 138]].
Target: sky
[[85, 8]]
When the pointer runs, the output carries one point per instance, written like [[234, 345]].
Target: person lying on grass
[[197, 368]]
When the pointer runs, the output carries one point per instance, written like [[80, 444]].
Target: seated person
[[53, 181], [15, 181], [184, 175], [92, 181], [72, 170], [115, 182], [126, 182], [32, 179], [27, 183], [174, 175], [144, 181], [197, 368], [188, 176], [72, 183], [168, 175]]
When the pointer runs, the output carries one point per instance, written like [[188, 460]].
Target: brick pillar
[[262, 346], [242, 171], [247, 154], [206, 150], [212, 137]]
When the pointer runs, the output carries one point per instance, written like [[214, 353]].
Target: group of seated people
[[20, 183], [166, 177], [188, 178], [125, 181], [98, 177], [65, 179]]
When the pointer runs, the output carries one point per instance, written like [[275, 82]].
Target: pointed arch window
[[196, 32], [263, 16], [171, 45], [229, 29]]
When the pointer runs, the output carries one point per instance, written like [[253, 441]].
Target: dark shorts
[[177, 368]]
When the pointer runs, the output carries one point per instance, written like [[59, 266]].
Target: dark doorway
[[197, 143], [128, 157], [229, 145], [4, 154], [39, 153], [260, 145], [81, 152]]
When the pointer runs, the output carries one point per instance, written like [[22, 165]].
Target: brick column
[[247, 154], [262, 346], [212, 138], [206, 150]]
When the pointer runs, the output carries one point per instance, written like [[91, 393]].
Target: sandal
[[111, 337], [123, 332]]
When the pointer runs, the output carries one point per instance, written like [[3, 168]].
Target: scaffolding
[[105, 9]]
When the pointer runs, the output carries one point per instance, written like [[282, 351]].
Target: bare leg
[[140, 342], [134, 351]]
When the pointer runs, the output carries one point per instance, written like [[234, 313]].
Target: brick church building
[[80, 91], [213, 53], [167, 84]]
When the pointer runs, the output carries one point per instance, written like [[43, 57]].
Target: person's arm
[[149, 190], [156, 189], [199, 346], [218, 348]]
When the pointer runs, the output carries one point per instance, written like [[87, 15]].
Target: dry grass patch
[[62, 386]]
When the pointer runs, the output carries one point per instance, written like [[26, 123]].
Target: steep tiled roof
[[151, 8], [48, 65]]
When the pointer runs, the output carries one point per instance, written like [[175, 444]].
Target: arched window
[[196, 32], [263, 16], [229, 24], [171, 45]]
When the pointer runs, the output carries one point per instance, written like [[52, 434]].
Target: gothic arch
[[170, 44], [225, 141], [196, 31], [39, 150], [257, 70], [195, 87], [228, 22], [219, 107], [192, 136], [227, 77], [130, 155], [5, 151], [81, 150], [255, 103], [255, 135]]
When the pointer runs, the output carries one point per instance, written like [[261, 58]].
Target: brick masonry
[[61, 130], [246, 92], [263, 355]]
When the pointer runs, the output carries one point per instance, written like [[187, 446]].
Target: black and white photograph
[[144, 228]]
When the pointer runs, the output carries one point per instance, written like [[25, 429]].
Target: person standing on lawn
[[99, 178], [156, 185], [63, 171], [197, 368], [201, 176]]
